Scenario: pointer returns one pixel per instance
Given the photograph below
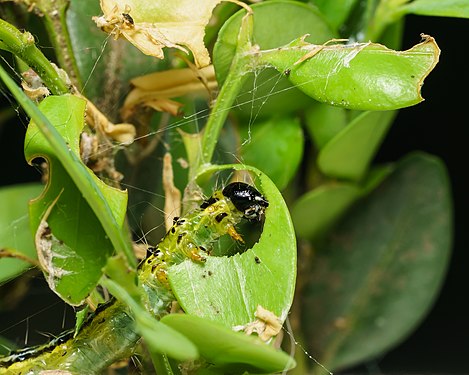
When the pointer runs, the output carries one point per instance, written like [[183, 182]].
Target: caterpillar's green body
[[110, 335]]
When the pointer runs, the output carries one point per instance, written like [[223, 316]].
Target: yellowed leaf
[[155, 90], [151, 25]]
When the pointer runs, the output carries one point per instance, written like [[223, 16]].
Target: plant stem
[[56, 25], [230, 89], [223, 105], [22, 45]]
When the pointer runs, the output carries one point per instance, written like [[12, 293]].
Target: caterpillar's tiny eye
[[246, 199]]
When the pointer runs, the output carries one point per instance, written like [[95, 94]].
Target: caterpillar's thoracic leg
[[196, 255], [235, 235]]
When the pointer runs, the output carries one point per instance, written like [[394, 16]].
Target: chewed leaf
[[153, 25], [230, 289], [71, 242], [364, 76]]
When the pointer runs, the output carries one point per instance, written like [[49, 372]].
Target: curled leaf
[[155, 90], [365, 76], [152, 25], [230, 289]]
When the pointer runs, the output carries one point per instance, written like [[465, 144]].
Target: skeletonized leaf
[[152, 25]]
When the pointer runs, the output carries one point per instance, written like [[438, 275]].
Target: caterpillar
[[109, 334]]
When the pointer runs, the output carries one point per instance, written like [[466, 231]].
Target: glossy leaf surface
[[77, 248], [229, 289], [316, 211], [268, 91], [276, 148], [324, 122], [159, 337], [233, 352], [364, 76], [350, 152], [380, 271]]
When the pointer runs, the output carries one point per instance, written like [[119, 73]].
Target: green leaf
[[276, 148], [89, 185], [316, 211], [445, 8], [159, 337], [229, 289], [336, 11], [324, 122], [233, 352], [15, 233], [378, 274], [364, 76], [77, 249], [268, 92], [350, 152]]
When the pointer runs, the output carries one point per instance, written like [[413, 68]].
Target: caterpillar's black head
[[246, 199]]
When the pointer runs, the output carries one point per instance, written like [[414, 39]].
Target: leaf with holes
[[73, 247], [229, 289]]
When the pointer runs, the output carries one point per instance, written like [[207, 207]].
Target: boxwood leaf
[[229, 289], [159, 337], [73, 246], [324, 122], [275, 147], [317, 210], [335, 11], [378, 274], [105, 66], [350, 152], [365, 76], [230, 351], [268, 92]]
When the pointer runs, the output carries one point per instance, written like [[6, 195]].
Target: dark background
[[440, 126]]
